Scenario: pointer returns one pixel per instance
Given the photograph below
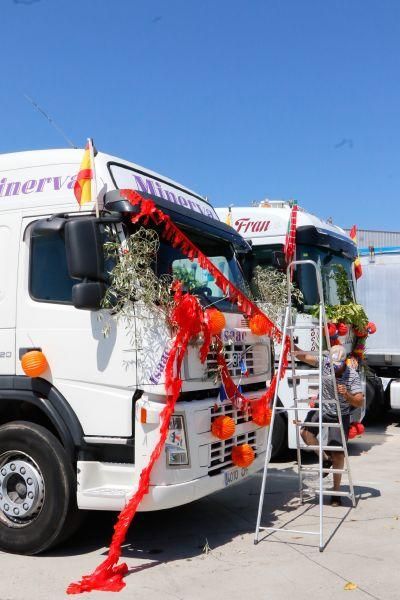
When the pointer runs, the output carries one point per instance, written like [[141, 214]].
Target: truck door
[[88, 368], [9, 248]]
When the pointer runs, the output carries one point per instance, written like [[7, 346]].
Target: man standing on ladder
[[350, 396]]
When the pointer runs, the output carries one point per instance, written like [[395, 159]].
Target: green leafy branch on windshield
[[343, 286], [133, 278], [269, 288]]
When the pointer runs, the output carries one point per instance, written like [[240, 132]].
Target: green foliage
[[343, 286], [269, 288], [186, 276], [351, 313], [133, 278]]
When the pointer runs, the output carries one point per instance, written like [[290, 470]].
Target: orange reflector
[[143, 415]]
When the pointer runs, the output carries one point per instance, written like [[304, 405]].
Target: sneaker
[[336, 501], [326, 464]]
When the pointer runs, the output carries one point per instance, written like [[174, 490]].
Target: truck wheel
[[279, 436], [375, 399], [36, 488]]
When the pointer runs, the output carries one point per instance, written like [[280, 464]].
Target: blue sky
[[239, 100]]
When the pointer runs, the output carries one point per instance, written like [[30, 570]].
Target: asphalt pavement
[[205, 550]]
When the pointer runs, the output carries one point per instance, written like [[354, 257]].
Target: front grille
[[213, 392], [234, 353], [221, 451]]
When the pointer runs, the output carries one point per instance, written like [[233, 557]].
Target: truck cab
[[265, 226], [78, 436]]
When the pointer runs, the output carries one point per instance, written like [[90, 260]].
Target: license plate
[[235, 475]]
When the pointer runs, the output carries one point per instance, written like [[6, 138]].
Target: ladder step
[[332, 448], [310, 326], [289, 530], [316, 470], [307, 408], [312, 424], [329, 492], [303, 375], [309, 352]]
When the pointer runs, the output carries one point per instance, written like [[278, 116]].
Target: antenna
[[50, 120]]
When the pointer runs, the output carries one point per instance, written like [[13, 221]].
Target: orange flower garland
[[242, 456], [223, 427]]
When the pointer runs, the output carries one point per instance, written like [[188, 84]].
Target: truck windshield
[[196, 279], [336, 272]]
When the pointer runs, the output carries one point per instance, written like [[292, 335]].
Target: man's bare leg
[[310, 439], [337, 463]]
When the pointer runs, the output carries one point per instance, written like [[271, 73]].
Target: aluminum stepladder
[[288, 329]]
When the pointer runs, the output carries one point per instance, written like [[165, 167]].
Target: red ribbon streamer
[[190, 320]]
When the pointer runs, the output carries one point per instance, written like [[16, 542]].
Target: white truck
[[377, 290], [265, 226], [78, 436]]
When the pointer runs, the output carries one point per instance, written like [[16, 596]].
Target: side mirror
[[84, 246], [88, 295]]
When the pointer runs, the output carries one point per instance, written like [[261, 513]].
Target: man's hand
[[355, 400]]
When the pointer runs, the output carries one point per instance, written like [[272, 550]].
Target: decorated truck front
[[266, 227], [111, 324]]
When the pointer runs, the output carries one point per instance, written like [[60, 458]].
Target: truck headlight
[[175, 445]]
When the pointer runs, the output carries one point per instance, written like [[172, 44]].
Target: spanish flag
[[228, 219], [357, 263], [83, 183]]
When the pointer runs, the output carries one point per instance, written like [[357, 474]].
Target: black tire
[[54, 502], [375, 399], [279, 436]]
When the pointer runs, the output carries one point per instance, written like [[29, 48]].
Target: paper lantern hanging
[[261, 414], [360, 428], [360, 333], [371, 328], [352, 432], [332, 329], [259, 325], [217, 320], [243, 455], [34, 363], [223, 427], [342, 329]]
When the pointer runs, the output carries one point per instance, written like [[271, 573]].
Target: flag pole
[[93, 181]]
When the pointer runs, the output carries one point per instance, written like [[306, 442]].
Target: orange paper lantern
[[34, 363], [217, 320], [223, 427], [261, 414], [259, 325], [242, 456]]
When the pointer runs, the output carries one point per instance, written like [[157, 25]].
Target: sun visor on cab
[[113, 201]]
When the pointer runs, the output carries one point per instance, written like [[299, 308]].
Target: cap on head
[[338, 356]]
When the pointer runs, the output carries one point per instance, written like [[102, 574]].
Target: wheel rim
[[21, 489]]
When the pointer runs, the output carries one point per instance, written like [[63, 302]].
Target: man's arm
[[355, 400], [303, 356]]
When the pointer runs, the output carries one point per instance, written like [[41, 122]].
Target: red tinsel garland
[[190, 320]]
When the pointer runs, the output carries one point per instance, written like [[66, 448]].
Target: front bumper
[[116, 489]]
